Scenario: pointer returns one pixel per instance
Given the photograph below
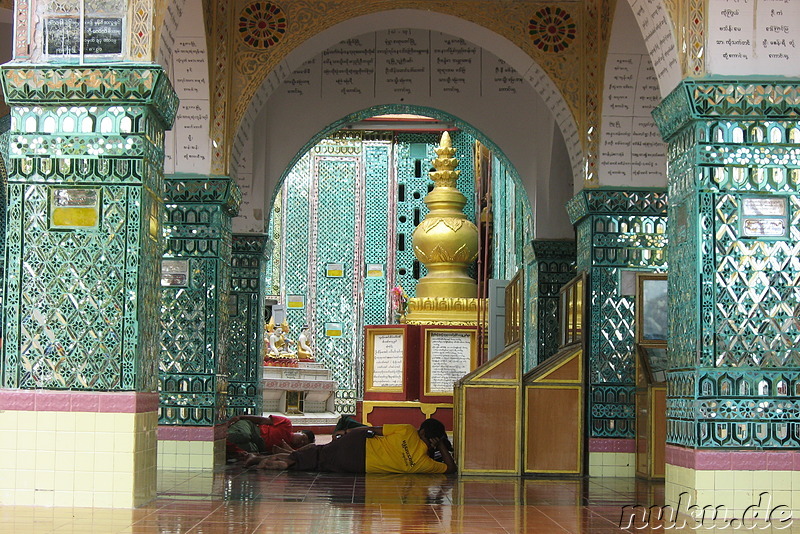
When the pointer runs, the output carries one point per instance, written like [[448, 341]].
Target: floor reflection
[[244, 501]]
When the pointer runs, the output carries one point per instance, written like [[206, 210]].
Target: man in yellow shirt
[[387, 449]]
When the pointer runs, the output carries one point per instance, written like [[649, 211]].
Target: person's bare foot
[[271, 462], [283, 447], [252, 459]]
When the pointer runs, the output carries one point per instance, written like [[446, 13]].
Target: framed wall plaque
[[385, 360], [449, 354], [174, 273], [764, 216], [374, 270], [334, 270], [74, 207], [334, 329], [392, 363], [296, 302], [101, 36]]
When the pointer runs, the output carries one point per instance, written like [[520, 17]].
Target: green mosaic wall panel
[[246, 323], [5, 125], [361, 194], [336, 227], [734, 358], [412, 164], [294, 245], [617, 230], [503, 257], [81, 303], [194, 315], [272, 269], [377, 206], [323, 200], [511, 222], [552, 264]]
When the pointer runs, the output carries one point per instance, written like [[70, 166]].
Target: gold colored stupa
[[446, 242]]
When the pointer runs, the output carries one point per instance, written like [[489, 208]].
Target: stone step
[[294, 373], [298, 384], [313, 419]]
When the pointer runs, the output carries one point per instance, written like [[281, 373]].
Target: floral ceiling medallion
[[552, 29], [262, 24]]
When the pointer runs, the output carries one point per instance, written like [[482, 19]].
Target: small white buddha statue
[[272, 339], [304, 352]]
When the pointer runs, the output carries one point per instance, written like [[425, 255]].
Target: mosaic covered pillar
[[619, 232], [5, 124], [549, 265], [195, 289], [734, 190], [246, 324], [78, 404]]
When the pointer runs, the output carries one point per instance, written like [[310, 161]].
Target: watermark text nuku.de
[[686, 514]]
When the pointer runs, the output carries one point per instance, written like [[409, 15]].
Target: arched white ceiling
[[657, 31], [517, 141]]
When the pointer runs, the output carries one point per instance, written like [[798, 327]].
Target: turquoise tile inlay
[[353, 198], [733, 351], [552, 264], [377, 206], [248, 283], [81, 303], [193, 371], [617, 229]]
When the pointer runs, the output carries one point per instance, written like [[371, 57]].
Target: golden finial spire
[[446, 241]]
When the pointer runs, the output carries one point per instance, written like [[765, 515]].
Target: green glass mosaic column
[[83, 239], [5, 125], [734, 186], [511, 221], [195, 286], [551, 264], [246, 323], [616, 230]]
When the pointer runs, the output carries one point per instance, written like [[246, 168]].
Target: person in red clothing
[[253, 434]]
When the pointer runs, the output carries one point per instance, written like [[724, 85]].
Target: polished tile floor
[[244, 501]]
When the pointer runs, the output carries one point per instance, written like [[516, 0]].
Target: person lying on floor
[[249, 435], [347, 422], [386, 449]]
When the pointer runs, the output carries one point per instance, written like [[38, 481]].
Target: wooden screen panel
[[658, 439], [642, 433], [569, 371], [490, 429], [506, 369], [554, 431]]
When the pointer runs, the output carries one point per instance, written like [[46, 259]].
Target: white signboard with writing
[[387, 362], [455, 66], [756, 37], [449, 356], [631, 149], [657, 33], [403, 56], [348, 69]]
